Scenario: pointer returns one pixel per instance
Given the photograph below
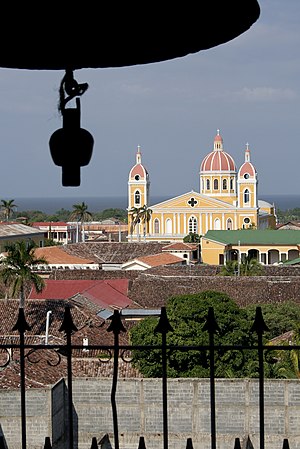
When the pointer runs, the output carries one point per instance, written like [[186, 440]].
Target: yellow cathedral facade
[[227, 200]]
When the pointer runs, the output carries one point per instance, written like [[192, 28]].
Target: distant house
[[154, 260], [103, 294], [112, 255], [59, 232], [190, 252], [289, 225], [267, 246], [58, 259], [10, 233]]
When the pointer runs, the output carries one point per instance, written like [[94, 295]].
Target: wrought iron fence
[[163, 327]]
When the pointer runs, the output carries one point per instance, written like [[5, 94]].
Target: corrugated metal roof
[[255, 237], [14, 230]]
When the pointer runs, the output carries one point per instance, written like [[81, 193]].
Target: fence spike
[[47, 444], [189, 443], [116, 325], [237, 444], [249, 444], [259, 326], [211, 325], [94, 443], [21, 324], [2, 443], [142, 444], [163, 326], [67, 325], [285, 444]]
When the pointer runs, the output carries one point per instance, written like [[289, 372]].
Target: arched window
[[246, 196], [156, 226], [216, 184], [229, 224], [168, 226], [137, 197], [217, 224], [207, 184], [193, 225], [224, 184], [231, 184]]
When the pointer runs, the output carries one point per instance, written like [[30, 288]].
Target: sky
[[248, 88]]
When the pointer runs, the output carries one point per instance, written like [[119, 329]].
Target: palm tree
[[145, 216], [135, 219], [248, 266], [7, 207], [16, 268], [80, 214]]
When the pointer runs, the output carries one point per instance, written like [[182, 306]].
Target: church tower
[[138, 184], [247, 182]]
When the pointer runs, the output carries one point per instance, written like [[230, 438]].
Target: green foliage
[[284, 216], [247, 267], [187, 315], [279, 317], [192, 237], [64, 215], [16, 268], [119, 214]]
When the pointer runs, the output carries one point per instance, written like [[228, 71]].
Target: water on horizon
[[97, 204]]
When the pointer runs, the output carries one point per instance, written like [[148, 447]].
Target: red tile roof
[[156, 260], [56, 255], [105, 293]]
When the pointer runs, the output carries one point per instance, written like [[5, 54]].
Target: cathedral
[[227, 200]]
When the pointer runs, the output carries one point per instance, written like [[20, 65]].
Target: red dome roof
[[218, 159]]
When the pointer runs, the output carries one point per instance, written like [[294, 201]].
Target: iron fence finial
[[116, 325], [211, 324], [142, 444], [21, 324], [68, 325], [163, 326], [259, 326]]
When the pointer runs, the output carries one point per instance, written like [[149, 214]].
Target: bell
[[71, 146]]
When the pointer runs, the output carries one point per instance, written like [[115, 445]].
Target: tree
[[246, 267], [8, 207], [80, 214], [134, 220], [187, 315], [16, 269], [145, 215], [192, 237]]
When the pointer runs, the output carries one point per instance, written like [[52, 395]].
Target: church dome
[[218, 160]]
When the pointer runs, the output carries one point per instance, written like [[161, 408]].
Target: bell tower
[[138, 183]]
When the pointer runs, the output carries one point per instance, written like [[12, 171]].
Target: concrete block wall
[[139, 405], [38, 417], [140, 413]]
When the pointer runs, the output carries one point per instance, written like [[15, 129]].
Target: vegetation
[[140, 214], [80, 214], [192, 237], [187, 315], [7, 208], [246, 267], [16, 269], [288, 215], [30, 216]]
